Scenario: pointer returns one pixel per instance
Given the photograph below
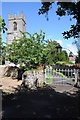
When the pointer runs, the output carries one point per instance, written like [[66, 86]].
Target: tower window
[[15, 26]]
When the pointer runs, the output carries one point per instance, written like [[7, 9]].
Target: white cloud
[[60, 42], [72, 48]]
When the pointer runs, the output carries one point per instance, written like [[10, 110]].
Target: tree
[[71, 9], [2, 25], [51, 52], [52, 55], [34, 51], [61, 56], [65, 8], [70, 54], [2, 48], [27, 51], [66, 55], [38, 43]]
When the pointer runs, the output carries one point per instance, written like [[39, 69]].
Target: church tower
[[16, 23]]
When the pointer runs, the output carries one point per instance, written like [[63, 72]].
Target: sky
[[53, 28]]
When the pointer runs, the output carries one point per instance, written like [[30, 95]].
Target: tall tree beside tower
[[2, 29]]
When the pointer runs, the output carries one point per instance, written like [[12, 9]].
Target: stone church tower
[[16, 24]]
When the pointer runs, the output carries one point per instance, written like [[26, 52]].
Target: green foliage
[[33, 51], [71, 9], [2, 47], [27, 50], [64, 62], [63, 9], [61, 56], [2, 25], [66, 55], [51, 55], [70, 54], [49, 78]]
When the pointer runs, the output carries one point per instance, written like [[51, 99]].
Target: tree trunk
[[79, 53]]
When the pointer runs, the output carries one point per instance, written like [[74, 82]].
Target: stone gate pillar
[[76, 78]]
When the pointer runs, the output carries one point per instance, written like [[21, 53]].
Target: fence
[[62, 76]]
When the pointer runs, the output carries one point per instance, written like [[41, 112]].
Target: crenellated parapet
[[16, 23], [16, 16]]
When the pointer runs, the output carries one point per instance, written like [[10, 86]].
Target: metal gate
[[61, 76]]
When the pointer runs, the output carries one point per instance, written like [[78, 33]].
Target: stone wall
[[21, 26], [8, 71], [2, 70], [11, 71], [33, 78]]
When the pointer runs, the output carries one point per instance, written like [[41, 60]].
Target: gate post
[[45, 75], [76, 78], [44, 72]]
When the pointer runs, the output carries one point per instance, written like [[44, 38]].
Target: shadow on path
[[41, 103]]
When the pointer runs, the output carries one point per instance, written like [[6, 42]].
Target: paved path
[[43, 103], [53, 101], [63, 85], [64, 88], [62, 80]]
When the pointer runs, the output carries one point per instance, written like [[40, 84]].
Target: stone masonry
[[16, 24], [33, 78]]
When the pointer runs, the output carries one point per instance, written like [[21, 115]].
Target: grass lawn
[[49, 78]]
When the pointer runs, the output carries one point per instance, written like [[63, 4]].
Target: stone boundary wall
[[33, 78], [2, 70], [8, 71]]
